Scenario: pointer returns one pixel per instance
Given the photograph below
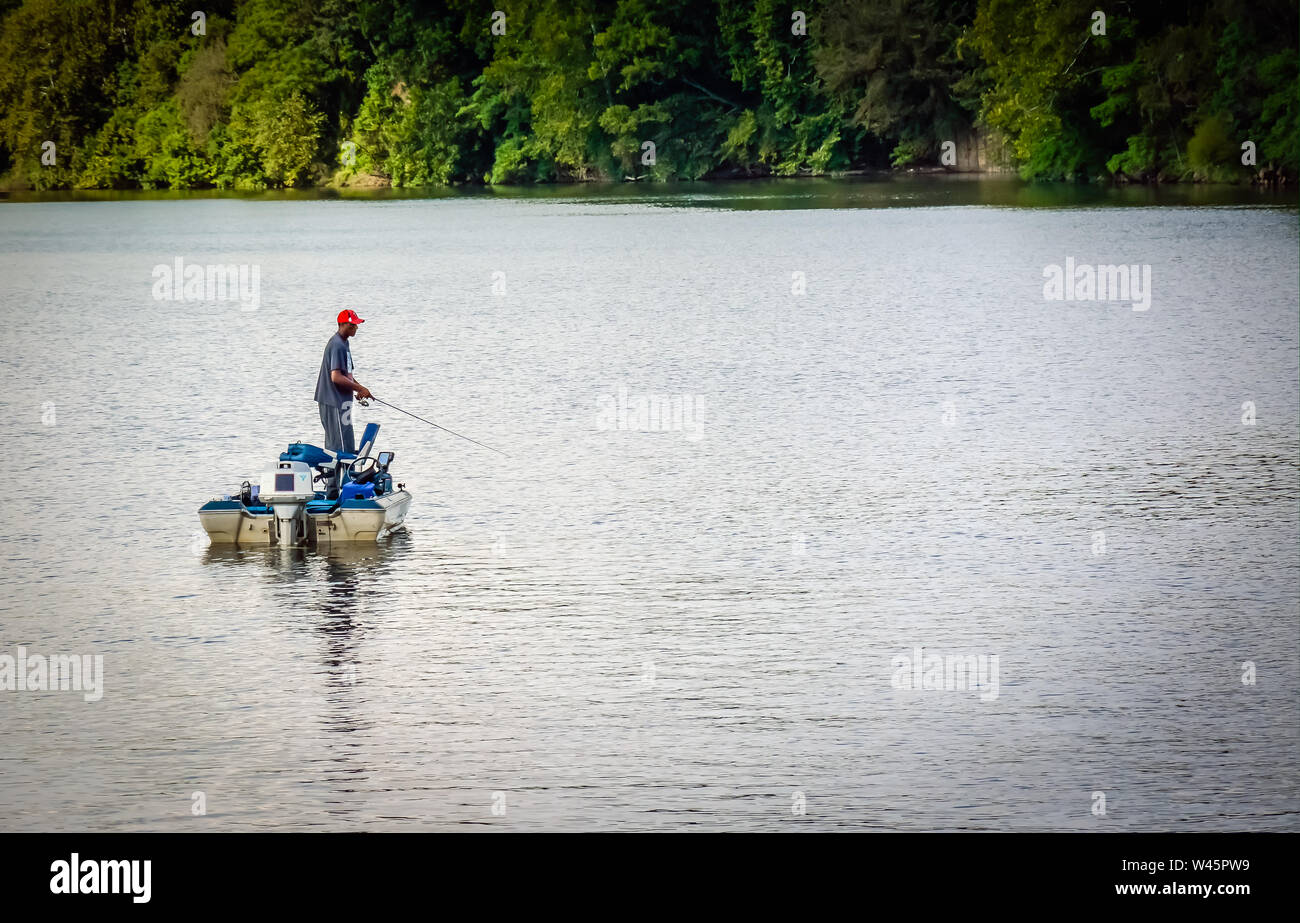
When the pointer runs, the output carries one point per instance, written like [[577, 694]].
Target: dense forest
[[251, 94]]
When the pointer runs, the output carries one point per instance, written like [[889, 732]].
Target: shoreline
[[378, 184], [615, 189]]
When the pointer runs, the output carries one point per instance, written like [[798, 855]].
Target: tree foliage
[[277, 93]]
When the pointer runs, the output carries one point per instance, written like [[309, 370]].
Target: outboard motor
[[286, 489]]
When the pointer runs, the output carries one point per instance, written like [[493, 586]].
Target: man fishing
[[335, 386]]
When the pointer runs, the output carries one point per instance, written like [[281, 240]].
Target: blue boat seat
[[314, 456], [368, 436], [325, 460]]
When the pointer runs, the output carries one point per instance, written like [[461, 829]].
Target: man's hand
[[363, 393]]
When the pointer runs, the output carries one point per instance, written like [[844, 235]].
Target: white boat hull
[[236, 526], [358, 520], [355, 524]]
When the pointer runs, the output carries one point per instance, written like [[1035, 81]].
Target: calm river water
[[882, 437]]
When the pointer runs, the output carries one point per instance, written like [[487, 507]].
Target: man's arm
[[343, 380]]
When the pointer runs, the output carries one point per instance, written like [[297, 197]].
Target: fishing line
[[443, 428]]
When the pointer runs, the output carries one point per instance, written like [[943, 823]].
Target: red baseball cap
[[349, 316]]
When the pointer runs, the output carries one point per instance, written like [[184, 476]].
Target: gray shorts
[[337, 422]]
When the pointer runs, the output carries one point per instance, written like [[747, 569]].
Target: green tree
[[894, 65], [283, 133], [56, 58]]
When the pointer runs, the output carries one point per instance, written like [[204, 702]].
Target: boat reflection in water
[[331, 593]]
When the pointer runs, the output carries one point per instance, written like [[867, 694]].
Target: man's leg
[[333, 426], [338, 437], [345, 421]]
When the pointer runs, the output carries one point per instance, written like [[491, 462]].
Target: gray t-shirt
[[337, 356]]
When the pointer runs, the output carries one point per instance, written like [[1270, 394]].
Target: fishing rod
[[443, 428]]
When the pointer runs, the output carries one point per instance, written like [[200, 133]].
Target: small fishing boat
[[356, 500]]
